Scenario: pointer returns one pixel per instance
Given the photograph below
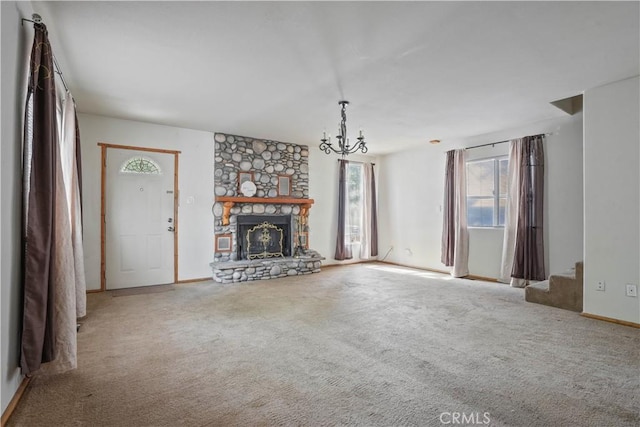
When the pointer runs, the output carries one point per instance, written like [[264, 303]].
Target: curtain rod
[[356, 161], [500, 142], [486, 145], [37, 19]]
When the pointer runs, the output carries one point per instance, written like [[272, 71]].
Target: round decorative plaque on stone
[[248, 188]]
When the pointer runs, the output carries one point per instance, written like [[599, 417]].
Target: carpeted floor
[[368, 344]]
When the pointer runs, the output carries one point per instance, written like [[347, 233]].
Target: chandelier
[[344, 148]]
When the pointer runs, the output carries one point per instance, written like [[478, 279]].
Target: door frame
[[103, 205]]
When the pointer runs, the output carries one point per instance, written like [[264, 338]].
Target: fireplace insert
[[263, 236]]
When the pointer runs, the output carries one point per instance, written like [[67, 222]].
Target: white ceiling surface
[[413, 71]]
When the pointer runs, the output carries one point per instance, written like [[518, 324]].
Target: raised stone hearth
[[263, 269]]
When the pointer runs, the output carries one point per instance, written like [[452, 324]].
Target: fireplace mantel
[[230, 201], [272, 200]]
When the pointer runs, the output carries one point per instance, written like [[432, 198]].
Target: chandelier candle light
[[344, 149]]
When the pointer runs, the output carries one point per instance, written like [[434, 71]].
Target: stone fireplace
[[261, 232]]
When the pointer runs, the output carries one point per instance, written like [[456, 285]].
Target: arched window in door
[[140, 164]]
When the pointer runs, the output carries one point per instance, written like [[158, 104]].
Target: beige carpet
[[370, 345]]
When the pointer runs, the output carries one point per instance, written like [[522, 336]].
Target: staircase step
[[565, 275], [562, 290], [540, 286]]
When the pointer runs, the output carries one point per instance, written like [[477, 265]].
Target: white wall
[[323, 216], [564, 196], [15, 50], [410, 195], [611, 198], [412, 192], [195, 220]]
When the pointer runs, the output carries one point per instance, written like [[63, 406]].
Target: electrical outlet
[[632, 290], [600, 286]]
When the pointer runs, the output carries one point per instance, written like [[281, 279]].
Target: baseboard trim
[[14, 401], [322, 267], [202, 279], [432, 270], [611, 320], [483, 278]]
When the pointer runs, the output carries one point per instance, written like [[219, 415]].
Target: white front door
[[139, 218]]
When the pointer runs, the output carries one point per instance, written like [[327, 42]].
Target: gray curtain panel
[[78, 163], [374, 214], [38, 327], [448, 222], [343, 251], [528, 260]]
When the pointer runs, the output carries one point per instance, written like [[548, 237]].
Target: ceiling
[[413, 71]]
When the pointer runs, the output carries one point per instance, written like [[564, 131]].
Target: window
[[355, 186], [140, 165], [487, 192]]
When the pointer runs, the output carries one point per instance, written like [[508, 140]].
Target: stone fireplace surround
[[266, 160]]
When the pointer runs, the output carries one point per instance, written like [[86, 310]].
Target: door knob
[[170, 229], [170, 220]]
